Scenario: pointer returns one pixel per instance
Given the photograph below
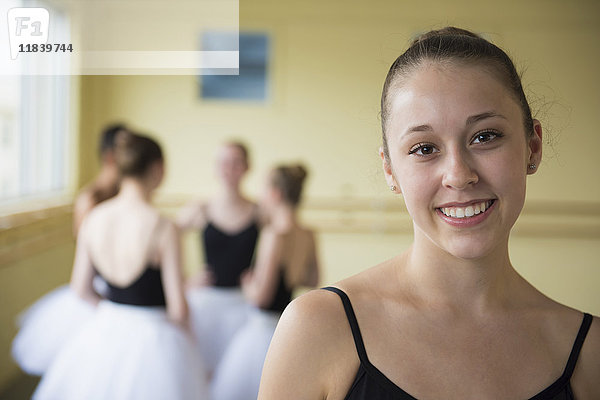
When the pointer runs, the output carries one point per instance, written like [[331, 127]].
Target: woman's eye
[[484, 137], [423, 149]]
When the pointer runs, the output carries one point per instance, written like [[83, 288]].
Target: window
[[34, 122]]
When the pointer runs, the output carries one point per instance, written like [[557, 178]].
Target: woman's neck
[[134, 189], [230, 195], [438, 279], [283, 218]]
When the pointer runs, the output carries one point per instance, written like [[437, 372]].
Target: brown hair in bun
[[289, 181], [135, 153]]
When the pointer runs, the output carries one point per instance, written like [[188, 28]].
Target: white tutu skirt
[[46, 326], [126, 353], [216, 314], [238, 375]]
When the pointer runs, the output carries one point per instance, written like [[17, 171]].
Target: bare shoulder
[[269, 234], [312, 343], [85, 198], [99, 212], [564, 325], [316, 319], [314, 308], [587, 371]]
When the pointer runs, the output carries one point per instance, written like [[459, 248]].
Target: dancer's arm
[[260, 283], [172, 274], [191, 216], [82, 277], [83, 205]]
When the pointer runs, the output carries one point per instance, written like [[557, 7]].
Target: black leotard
[[283, 295], [372, 384], [147, 290], [228, 255]]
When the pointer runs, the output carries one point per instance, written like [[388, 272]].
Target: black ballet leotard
[[147, 290], [228, 255], [283, 295], [372, 384]]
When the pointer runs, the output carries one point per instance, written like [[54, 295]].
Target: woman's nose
[[459, 172]]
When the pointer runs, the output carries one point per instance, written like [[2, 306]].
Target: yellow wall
[[328, 65], [329, 60]]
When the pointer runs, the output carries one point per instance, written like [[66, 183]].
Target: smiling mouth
[[467, 212]]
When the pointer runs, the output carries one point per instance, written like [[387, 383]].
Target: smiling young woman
[[450, 318]]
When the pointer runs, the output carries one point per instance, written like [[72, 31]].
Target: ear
[[535, 147], [387, 172]]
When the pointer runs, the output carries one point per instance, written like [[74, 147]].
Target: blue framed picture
[[251, 82]]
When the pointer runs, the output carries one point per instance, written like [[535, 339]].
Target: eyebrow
[[470, 121], [419, 128], [489, 114]]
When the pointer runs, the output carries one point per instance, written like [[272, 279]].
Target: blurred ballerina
[[136, 345], [286, 259], [229, 226]]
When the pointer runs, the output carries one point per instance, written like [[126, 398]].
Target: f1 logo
[[27, 26]]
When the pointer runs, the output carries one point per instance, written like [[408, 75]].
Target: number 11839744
[[46, 48]]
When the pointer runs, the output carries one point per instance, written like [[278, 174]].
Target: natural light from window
[[34, 126]]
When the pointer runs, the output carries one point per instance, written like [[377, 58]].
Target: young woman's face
[[459, 154], [231, 165]]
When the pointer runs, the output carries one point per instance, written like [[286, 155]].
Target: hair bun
[[108, 137], [298, 172], [134, 153], [289, 179], [123, 139]]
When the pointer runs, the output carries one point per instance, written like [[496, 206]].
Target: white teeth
[[466, 212], [469, 212]]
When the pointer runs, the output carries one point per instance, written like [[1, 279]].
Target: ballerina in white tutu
[[49, 323], [286, 259], [229, 227], [136, 346]]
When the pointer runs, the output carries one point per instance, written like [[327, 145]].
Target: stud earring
[[393, 188], [531, 166]]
